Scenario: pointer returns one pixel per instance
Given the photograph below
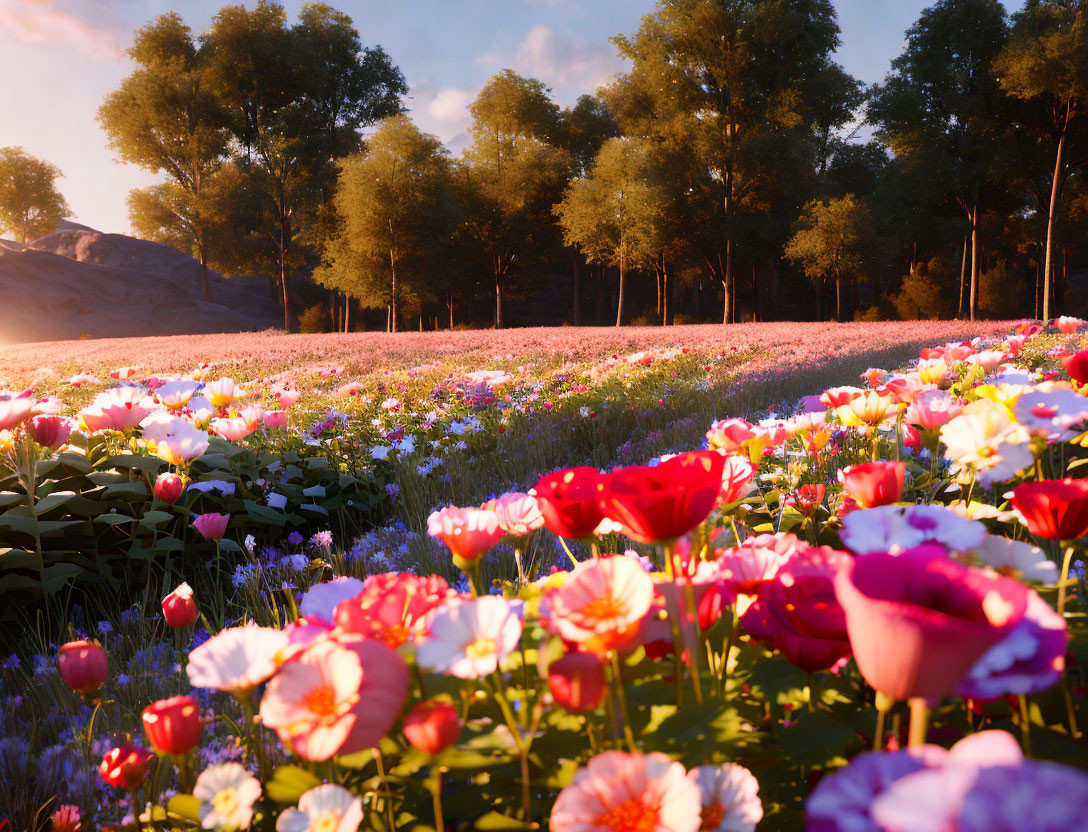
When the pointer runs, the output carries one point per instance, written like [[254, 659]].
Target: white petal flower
[[237, 659], [730, 798], [327, 808], [468, 639], [227, 793]]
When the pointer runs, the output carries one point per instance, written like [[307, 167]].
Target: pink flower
[[233, 429], [737, 475], [212, 526], [1067, 325], [933, 409], [220, 393], [275, 419], [919, 621], [601, 604], [122, 408], [730, 435], [629, 792], [747, 567], [309, 702], [50, 431], [468, 639], [236, 659], [730, 798], [468, 532], [381, 693], [518, 514]]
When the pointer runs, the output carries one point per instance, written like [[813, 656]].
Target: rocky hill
[[79, 281]]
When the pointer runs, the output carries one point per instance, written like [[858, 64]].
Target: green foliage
[[30, 204], [102, 530], [314, 319]]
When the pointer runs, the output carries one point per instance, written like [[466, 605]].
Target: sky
[[60, 58]]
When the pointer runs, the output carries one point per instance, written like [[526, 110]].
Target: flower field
[[824, 577]]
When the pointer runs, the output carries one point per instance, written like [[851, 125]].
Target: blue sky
[[60, 58]]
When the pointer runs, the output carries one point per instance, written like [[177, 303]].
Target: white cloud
[[569, 66], [40, 21], [450, 104]]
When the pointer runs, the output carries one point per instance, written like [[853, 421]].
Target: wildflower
[[1054, 509], [125, 767], [518, 514], [173, 725], [432, 726], [873, 484], [932, 409], [66, 819], [897, 528], [295, 538], [391, 607], [227, 793], [577, 682], [13, 412], [328, 808], [569, 501], [309, 702], [220, 393], [629, 792], [179, 608], [236, 659], [468, 639], [169, 487], [381, 694], [212, 526], [729, 797], [939, 615], [985, 439], [468, 532], [321, 599], [601, 603], [50, 431], [83, 665], [176, 394]]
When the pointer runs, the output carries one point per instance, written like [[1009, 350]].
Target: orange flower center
[[712, 816], [321, 701], [604, 608], [630, 816], [395, 636], [480, 648], [986, 453]]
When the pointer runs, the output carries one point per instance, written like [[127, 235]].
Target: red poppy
[[873, 484], [664, 502], [1077, 366], [125, 767], [809, 496], [391, 606], [173, 725], [432, 726], [919, 621], [83, 665], [569, 501], [577, 681], [1054, 509]]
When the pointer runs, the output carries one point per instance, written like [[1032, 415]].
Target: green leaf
[[154, 519], [495, 821], [289, 783], [112, 519]]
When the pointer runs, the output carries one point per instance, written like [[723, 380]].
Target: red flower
[[125, 767], [873, 484], [432, 726], [168, 487], [381, 694], [173, 725], [797, 612], [577, 681], [179, 608], [50, 431], [1054, 509], [919, 621], [666, 501], [83, 665], [569, 501], [1077, 366], [809, 496]]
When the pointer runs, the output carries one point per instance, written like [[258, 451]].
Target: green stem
[[388, 792], [1066, 561], [919, 721], [436, 794], [1025, 724], [621, 698]]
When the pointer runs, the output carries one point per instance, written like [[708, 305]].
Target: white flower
[[176, 394], [730, 798], [468, 639], [985, 439], [326, 808], [275, 500], [237, 659], [175, 439], [1004, 554], [227, 793], [897, 528], [1058, 415], [321, 600]]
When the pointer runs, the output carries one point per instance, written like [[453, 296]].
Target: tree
[[295, 98], [30, 204], [729, 81], [514, 175], [833, 237], [612, 214], [1045, 65], [166, 118], [936, 109], [395, 205]]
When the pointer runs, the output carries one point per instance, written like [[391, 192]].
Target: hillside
[[79, 281]]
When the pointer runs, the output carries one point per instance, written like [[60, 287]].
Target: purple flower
[[1041, 796], [295, 538]]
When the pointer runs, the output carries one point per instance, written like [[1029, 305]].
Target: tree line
[[735, 166]]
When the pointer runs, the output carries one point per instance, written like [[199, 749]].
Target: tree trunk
[[1054, 192], [619, 300], [963, 278], [393, 293], [347, 313], [726, 273], [284, 237], [974, 261], [577, 311], [657, 285], [838, 295], [451, 310], [755, 295], [498, 294]]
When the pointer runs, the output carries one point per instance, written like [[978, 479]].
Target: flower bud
[[125, 767], [83, 665], [50, 431], [432, 726], [577, 681], [212, 526], [173, 725], [168, 487], [275, 419], [179, 608]]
